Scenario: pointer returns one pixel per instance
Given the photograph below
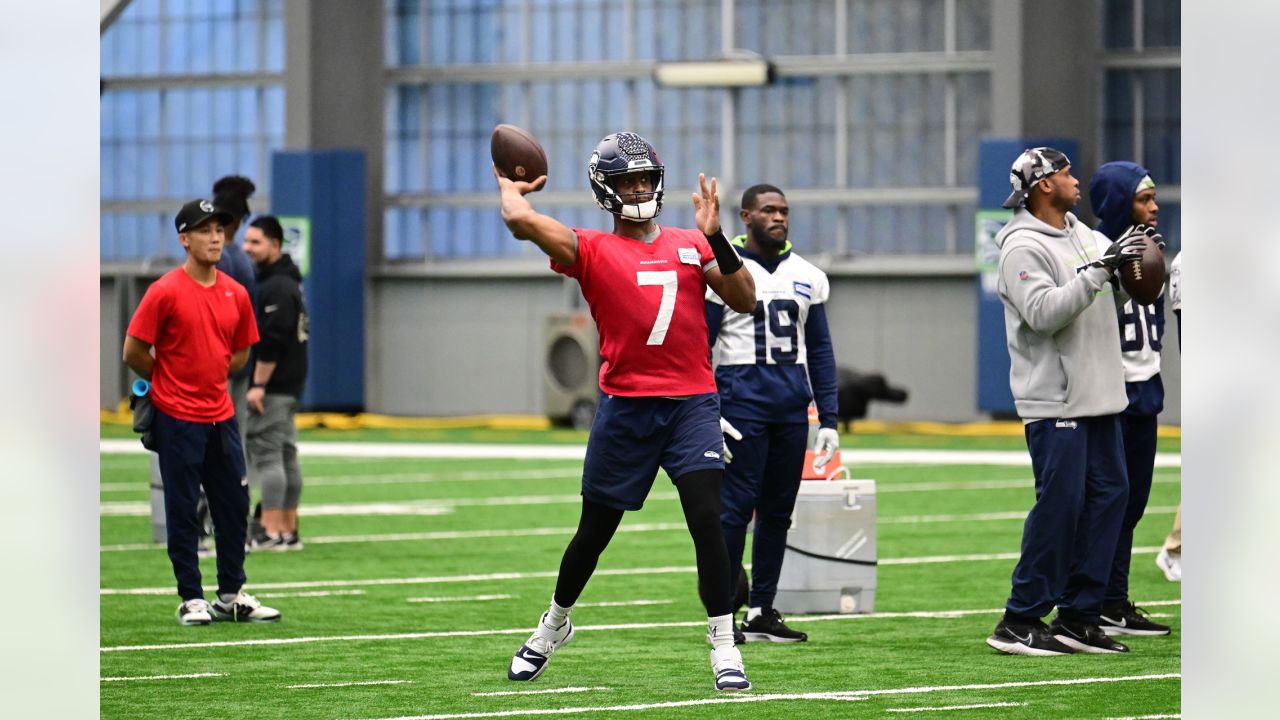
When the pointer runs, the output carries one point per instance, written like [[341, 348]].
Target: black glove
[[1144, 231], [1127, 249]]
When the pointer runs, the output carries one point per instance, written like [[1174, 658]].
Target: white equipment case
[[830, 563]]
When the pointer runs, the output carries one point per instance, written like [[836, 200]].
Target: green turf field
[[421, 577]]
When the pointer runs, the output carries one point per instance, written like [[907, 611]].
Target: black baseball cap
[[1032, 166], [197, 212]]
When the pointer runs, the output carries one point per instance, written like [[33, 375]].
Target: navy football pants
[[191, 455], [1140, 458], [1069, 538], [764, 479]]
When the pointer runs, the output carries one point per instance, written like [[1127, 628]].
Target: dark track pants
[[1139, 433], [1069, 539], [210, 455], [764, 479]]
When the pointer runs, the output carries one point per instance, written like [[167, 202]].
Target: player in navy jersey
[[1124, 196], [774, 360], [644, 284]]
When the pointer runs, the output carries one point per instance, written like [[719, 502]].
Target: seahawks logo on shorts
[[711, 454]]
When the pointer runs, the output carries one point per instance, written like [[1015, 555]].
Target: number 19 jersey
[[646, 299]]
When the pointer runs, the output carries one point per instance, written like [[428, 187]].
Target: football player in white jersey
[[773, 362], [1124, 197], [1169, 559]]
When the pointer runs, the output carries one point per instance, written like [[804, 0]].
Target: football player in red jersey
[[644, 284]]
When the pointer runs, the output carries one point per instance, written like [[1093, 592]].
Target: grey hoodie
[[1064, 339]]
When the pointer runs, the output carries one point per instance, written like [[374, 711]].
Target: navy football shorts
[[632, 437]]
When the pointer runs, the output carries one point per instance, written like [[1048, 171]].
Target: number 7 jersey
[[647, 301]]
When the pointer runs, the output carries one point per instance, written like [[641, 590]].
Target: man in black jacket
[[279, 373]]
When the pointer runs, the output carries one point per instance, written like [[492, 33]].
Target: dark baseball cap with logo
[[1032, 166], [198, 212]]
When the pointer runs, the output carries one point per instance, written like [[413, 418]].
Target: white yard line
[[624, 603], [570, 473], [746, 698], [639, 527], [347, 684], [432, 535], [443, 506], [315, 593], [947, 485], [984, 517], [943, 708], [501, 693], [438, 506], [923, 614], [127, 678], [854, 457], [487, 577], [407, 508], [458, 598], [1146, 717]]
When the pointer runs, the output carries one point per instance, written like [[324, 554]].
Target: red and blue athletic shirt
[[646, 299], [195, 330]]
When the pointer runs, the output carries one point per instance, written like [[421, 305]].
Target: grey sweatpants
[[272, 449]]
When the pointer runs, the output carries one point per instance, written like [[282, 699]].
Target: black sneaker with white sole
[[768, 626], [1129, 619], [1026, 637], [1084, 636]]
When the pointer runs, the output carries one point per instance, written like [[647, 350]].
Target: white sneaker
[[533, 656], [194, 612], [244, 608], [731, 676], [1170, 564]]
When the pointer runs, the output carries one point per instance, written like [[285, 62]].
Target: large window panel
[[1118, 114], [1162, 123], [569, 117], [813, 228], [1161, 23], [896, 130], [460, 118], [786, 133], [807, 27], [973, 24], [685, 130], [886, 26], [1117, 24], [973, 120]]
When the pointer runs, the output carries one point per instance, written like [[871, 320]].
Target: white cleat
[[1170, 564], [194, 612], [244, 608], [731, 676], [534, 656]]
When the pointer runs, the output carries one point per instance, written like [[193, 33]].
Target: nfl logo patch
[[1022, 275]]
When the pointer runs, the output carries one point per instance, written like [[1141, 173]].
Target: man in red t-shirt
[[644, 285], [199, 323]]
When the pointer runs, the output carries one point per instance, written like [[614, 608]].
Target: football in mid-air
[[1144, 279], [516, 154]]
